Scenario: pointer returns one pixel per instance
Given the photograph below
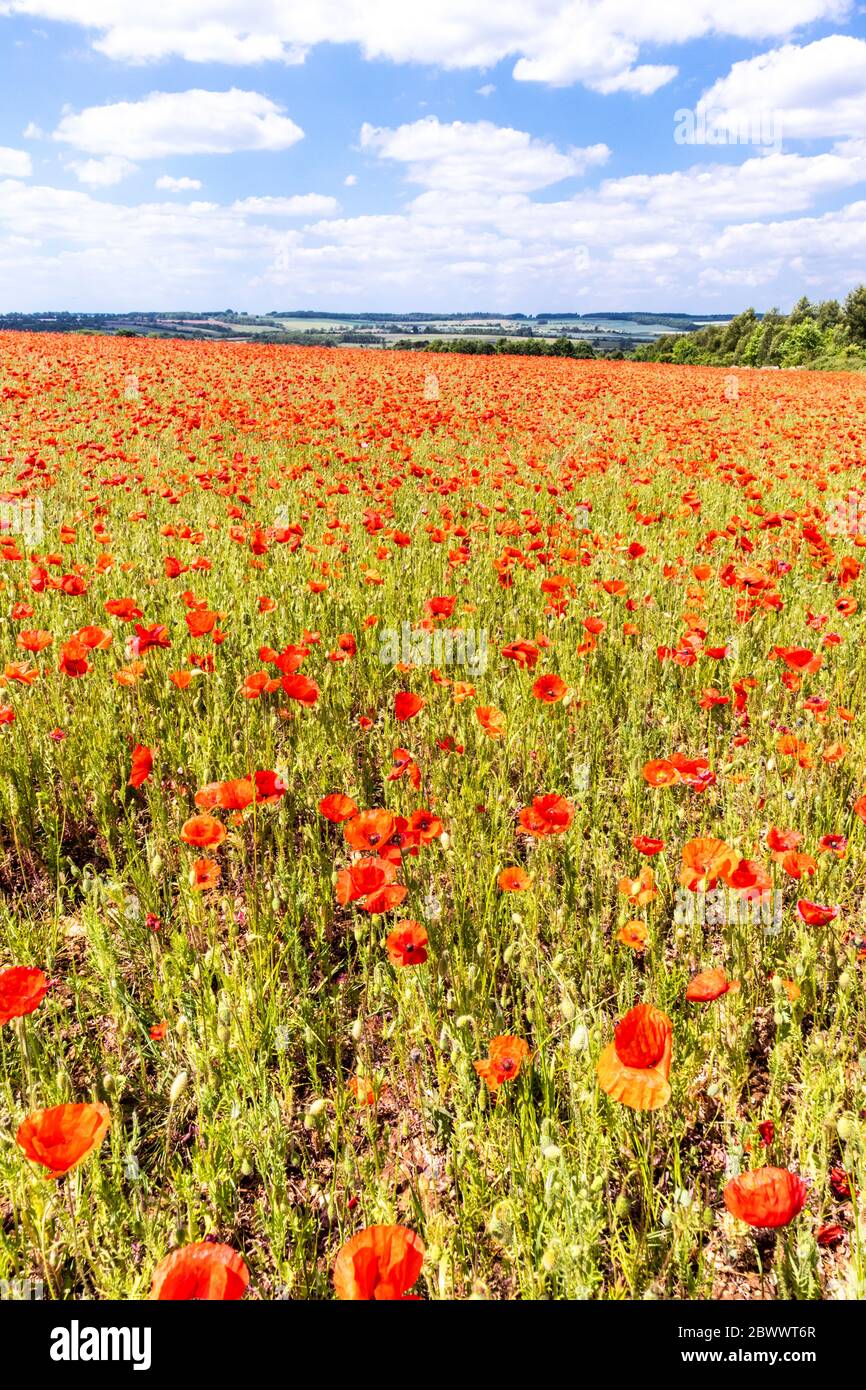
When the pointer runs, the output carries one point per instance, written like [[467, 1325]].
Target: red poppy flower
[[425, 825], [337, 807], [660, 772], [549, 688], [369, 830], [814, 914], [204, 832], [492, 721], [407, 943], [22, 989], [548, 815], [61, 1137], [505, 1057], [766, 1197], [299, 687], [526, 654], [407, 705], [514, 880], [635, 1067], [204, 1271], [205, 874], [707, 986], [705, 861], [380, 1262], [142, 763], [780, 841], [644, 844]]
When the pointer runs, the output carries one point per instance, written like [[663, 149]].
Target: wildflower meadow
[[432, 826]]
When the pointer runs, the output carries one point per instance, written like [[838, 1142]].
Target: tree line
[[824, 335]]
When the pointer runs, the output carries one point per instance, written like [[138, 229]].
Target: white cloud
[[477, 156], [350, 180], [486, 91], [102, 173], [172, 123], [15, 164], [177, 185], [818, 90], [298, 205], [33, 132], [596, 42], [711, 236]]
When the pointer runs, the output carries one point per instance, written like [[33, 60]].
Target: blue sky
[[553, 154]]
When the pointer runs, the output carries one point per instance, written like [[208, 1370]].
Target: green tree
[[855, 314]]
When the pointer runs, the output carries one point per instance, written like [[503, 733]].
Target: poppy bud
[[178, 1086], [579, 1040], [846, 1129], [316, 1107], [155, 866], [566, 1006], [109, 1085], [357, 1030], [181, 1027], [223, 1033]]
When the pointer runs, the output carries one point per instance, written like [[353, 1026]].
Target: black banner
[[154, 1338]]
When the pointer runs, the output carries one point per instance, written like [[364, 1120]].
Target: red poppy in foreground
[[61, 1137], [407, 705], [514, 880], [203, 831], [380, 1262], [709, 985], [336, 807], [142, 765], [548, 815], [202, 1271], [22, 989], [506, 1056], [766, 1197], [635, 1067], [816, 914], [549, 688], [407, 943]]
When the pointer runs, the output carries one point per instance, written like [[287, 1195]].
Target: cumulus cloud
[[298, 205], [814, 91], [595, 42], [172, 123], [477, 156], [102, 173], [711, 235], [15, 164], [183, 184]]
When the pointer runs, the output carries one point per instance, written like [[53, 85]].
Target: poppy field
[[432, 826]]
